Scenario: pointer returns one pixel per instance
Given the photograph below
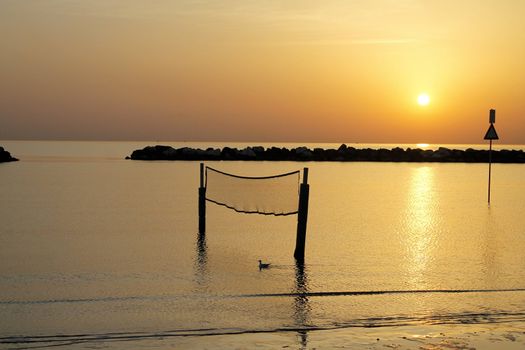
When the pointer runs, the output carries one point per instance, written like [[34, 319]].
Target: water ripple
[[46, 341], [259, 295]]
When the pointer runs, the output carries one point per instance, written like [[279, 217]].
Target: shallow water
[[100, 248]]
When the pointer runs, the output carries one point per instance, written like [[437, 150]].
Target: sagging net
[[269, 195]]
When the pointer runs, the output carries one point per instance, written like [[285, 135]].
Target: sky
[[251, 70]]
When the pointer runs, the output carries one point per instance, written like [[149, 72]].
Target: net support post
[[202, 202], [302, 217]]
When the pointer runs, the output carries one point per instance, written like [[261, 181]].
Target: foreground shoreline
[[342, 154], [479, 336], [507, 336]]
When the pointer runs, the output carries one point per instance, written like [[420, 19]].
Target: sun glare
[[423, 99]]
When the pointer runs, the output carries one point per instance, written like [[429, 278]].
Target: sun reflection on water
[[420, 216]]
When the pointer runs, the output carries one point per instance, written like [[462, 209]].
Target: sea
[[97, 251]]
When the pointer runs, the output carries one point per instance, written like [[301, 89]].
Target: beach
[[262, 174], [507, 336], [102, 252], [458, 337]]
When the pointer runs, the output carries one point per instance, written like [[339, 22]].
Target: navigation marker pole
[[490, 167], [490, 135]]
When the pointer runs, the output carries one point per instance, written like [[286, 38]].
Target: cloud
[[343, 42], [400, 41]]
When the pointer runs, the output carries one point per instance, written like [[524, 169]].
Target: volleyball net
[[267, 195]]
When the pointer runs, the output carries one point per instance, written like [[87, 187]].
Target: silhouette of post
[[490, 135], [302, 217], [202, 202]]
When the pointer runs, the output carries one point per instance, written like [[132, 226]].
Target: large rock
[[158, 152], [303, 153], [247, 154], [442, 154], [6, 156]]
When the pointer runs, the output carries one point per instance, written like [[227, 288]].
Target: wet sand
[[506, 336]]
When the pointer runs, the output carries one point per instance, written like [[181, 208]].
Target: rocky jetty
[[6, 156], [342, 154]]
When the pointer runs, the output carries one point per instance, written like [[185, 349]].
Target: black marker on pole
[[490, 135]]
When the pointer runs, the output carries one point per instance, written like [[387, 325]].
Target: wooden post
[[202, 202], [302, 217]]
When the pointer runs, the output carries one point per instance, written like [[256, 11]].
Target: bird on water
[[263, 265]]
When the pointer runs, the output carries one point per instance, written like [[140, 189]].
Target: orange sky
[[246, 70]]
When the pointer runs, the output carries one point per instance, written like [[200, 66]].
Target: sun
[[423, 99]]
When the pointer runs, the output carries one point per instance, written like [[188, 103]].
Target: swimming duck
[[263, 265]]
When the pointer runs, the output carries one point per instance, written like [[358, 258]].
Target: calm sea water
[[97, 248]]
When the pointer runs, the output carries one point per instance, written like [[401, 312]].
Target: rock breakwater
[[342, 154]]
